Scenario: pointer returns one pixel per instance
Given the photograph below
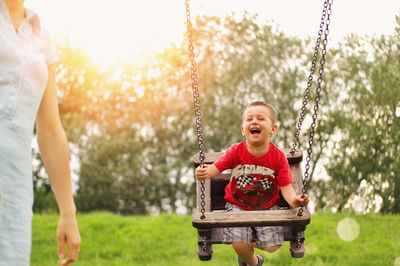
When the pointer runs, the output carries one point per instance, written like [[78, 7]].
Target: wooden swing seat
[[216, 218], [282, 217]]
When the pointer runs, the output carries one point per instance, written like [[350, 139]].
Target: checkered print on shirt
[[266, 183], [244, 180]]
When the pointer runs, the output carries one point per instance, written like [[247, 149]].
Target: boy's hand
[[205, 172], [202, 173], [302, 200]]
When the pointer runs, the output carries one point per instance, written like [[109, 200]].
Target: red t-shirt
[[255, 181]]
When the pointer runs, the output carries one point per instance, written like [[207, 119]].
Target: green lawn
[[109, 239]]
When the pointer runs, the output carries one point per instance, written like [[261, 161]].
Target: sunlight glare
[[119, 35], [359, 204], [106, 95], [114, 32], [140, 91], [397, 261], [348, 229]]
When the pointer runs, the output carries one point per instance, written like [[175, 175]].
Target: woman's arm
[[53, 146]]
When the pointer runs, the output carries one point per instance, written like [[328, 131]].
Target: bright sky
[[111, 30]]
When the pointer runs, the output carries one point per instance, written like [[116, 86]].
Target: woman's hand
[[68, 234]]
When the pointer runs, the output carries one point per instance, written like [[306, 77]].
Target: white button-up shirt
[[24, 57]]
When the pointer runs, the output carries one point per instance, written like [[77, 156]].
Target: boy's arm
[[206, 172], [294, 200]]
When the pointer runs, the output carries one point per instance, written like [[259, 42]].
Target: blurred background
[[125, 100], [125, 96]]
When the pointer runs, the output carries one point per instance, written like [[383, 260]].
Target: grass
[[109, 239]]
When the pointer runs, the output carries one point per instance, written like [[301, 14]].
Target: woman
[[28, 96]]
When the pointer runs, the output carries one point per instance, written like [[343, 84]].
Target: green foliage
[[364, 159], [109, 239], [128, 123], [44, 200], [133, 125], [249, 62]]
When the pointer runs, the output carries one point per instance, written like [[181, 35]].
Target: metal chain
[[309, 82], [204, 243], [327, 10], [298, 238], [196, 99]]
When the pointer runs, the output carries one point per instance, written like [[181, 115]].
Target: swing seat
[[252, 218], [216, 218]]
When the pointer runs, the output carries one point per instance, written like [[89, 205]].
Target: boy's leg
[[269, 238], [270, 249], [241, 239], [245, 252]]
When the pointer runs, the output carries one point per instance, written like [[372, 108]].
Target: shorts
[[263, 236]]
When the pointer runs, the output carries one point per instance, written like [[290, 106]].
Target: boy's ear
[[274, 129], [242, 129]]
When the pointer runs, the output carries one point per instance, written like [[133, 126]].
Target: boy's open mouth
[[255, 131]]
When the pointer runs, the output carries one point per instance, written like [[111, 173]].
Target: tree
[[134, 155], [364, 161], [110, 175], [249, 61], [73, 105], [134, 124]]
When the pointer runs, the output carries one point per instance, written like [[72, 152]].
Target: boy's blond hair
[[272, 111]]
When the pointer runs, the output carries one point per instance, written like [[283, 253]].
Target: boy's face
[[258, 125]]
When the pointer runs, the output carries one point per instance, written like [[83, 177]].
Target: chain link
[[204, 243], [326, 13], [196, 99], [298, 238]]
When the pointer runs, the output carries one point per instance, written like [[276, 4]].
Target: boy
[[259, 171]]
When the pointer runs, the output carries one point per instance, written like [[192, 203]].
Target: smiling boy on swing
[[259, 171]]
